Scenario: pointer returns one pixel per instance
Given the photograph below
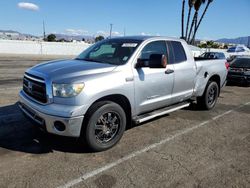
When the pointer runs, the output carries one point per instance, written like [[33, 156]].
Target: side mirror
[[157, 61], [154, 61]]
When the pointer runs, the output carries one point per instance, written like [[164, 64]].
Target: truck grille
[[35, 87]]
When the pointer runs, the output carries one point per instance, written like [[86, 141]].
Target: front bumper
[[46, 116]]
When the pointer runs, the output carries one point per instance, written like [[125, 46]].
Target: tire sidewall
[[210, 85], [90, 130]]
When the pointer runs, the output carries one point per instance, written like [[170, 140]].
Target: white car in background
[[213, 55], [238, 50]]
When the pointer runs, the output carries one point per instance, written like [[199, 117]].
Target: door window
[[156, 47], [177, 52]]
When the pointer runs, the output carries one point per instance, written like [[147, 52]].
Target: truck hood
[[63, 69]]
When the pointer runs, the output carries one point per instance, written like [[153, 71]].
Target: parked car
[[239, 71], [116, 81], [213, 55], [238, 50]]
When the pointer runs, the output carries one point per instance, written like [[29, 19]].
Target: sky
[[224, 19]]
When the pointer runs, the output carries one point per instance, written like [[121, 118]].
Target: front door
[[153, 86]]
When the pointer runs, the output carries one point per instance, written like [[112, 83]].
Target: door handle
[[169, 71]]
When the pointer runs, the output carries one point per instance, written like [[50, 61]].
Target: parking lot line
[[5, 105], [18, 87], [139, 152]]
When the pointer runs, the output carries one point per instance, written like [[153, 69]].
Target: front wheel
[[208, 100], [106, 125]]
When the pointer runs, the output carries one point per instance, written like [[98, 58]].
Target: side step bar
[[160, 112]]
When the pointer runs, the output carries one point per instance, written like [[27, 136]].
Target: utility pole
[[111, 27], [248, 43], [124, 32], [43, 31]]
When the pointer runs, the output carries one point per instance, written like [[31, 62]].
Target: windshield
[[112, 51], [241, 63]]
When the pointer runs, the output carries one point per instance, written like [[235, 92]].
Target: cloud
[[76, 32], [106, 34], [145, 34], [116, 33], [28, 6], [149, 34]]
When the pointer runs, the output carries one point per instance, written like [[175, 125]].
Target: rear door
[[184, 71]]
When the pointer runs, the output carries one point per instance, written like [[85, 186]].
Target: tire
[[208, 100], [106, 123]]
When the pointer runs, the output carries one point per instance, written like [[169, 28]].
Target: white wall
[[41, 48], [217, 50]]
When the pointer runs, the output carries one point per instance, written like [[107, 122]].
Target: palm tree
[[203, 14], [197, 6], [190, 4], [182, 19]]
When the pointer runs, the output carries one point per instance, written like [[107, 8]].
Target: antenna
[[43, 31], [111, 27]]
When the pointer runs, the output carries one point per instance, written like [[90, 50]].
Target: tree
[[190, 5], [99, 38], [196, 21], [204, 45], [61, 40], [197, 6], [51, 38], [182, 19], [83, 39], [215, 45], [203, 14]]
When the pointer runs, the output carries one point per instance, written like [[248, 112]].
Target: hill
[[239, 40]]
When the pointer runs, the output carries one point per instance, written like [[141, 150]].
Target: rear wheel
[[208, 100], [105, 126]]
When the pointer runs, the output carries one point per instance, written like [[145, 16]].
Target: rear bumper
[[47, 120], [241, 79]]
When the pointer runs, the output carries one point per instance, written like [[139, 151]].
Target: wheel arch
[[119, 99], [216, 78]]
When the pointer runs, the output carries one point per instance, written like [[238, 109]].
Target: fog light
[[59, 126]]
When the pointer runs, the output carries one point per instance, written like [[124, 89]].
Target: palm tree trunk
[[203, 14], [187, 26], [182, 19], [192, 25], [195, 25]]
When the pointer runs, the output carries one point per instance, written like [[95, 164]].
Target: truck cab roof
[[144, 38]]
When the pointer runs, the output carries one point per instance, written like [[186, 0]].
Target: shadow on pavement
[[19, 134], [238, 84]]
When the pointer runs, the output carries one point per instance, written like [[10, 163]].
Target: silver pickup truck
[[116, 82]]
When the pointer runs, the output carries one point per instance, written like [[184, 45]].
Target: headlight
[[67, 90]]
